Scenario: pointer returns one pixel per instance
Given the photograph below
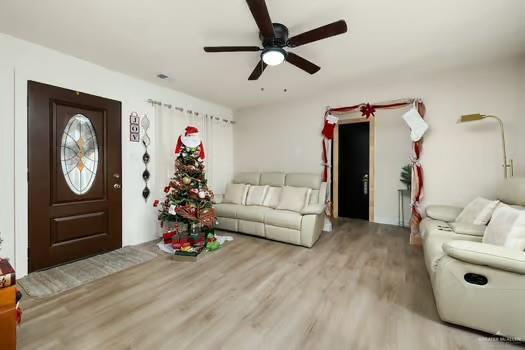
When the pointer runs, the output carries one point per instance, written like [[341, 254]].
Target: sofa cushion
[[252, 213], [312, 181], [283, 218], [516, 237], [500, 225], [314, 197], [256, 195], [247, 178], [294, 198], [227, 210], [235, 193], [272, 197], [477, 212], [468, 229], [272, 179]]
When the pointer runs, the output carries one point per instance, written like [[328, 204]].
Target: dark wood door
[[74, 165], [354, 165]]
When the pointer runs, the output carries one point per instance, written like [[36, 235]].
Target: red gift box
[[168, 237]]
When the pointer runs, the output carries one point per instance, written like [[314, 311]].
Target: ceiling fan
[[274, 38]]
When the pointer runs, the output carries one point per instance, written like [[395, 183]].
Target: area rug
[[43, 284]]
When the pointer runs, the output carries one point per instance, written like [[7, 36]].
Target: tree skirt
[[43, 284]]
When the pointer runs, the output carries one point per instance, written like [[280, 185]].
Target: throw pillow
[[477, 212], [516, 237], [272, 197], [236, 193], [500, 225], [256, 195], [294, 198]]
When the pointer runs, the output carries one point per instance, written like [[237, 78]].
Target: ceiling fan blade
[[323, 32], [302, 63], [231, 48], [262, 17], [259, 69]]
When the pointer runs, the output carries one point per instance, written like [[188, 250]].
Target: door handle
[[116, 186], [365, 184]]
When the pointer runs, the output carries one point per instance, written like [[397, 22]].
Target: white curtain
[[216, 135]]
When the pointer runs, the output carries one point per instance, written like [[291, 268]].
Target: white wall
[[460, 161], [21, 61]]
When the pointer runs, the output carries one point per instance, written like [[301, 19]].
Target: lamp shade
[[470, 118]]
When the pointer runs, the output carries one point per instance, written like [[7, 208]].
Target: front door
[[354, 165], [74, 174]]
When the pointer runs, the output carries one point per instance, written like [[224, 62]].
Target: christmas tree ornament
[[202, 194], [186, 180]]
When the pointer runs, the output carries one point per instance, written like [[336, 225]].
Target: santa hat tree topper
[[191, 139]]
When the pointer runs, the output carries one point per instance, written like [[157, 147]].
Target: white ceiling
[[144, 38]]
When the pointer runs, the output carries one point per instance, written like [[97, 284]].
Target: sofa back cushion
[[512, 191], [256, 195], [247, 178], [500, 225], [294, 198], [516, 237], [272, 197], [272, 179], [477, 212], [312, 181], [236, 193]]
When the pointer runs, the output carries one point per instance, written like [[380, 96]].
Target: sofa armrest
[[314, 209], [468, 229], [494, 256], [217, 199], [443, 212]]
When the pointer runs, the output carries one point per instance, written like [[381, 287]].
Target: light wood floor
[[360, 287]]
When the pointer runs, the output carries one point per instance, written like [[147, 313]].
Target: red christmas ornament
[[367, 110], [156, 203], [166, 189]]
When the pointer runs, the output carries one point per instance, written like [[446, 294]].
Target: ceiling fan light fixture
[[273, 56]]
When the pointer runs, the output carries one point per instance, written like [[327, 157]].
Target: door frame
[[371, 171]]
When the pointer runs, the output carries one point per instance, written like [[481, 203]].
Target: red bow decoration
[[367, 110]]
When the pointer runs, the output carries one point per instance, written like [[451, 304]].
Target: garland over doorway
[[418, 126]]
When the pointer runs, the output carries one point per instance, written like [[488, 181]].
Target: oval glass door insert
[[79, 154]]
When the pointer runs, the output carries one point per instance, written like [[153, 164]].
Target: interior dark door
[[354, 165], [74, 165]]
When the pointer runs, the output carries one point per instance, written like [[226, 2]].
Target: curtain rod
[[180, 109]]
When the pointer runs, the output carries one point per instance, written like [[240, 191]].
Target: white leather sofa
[[302, 227], [477, 285]]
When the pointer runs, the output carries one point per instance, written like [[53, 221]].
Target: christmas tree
[[188, 205]]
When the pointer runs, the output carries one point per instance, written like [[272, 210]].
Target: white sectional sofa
[[475, 284], [259, 209]]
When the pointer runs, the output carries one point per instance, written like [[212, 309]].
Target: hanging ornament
[[367, 110], [202, 194], [172, 209], [186, 180], [145, 123]]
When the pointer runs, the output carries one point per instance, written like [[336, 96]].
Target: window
[[79, 154]]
